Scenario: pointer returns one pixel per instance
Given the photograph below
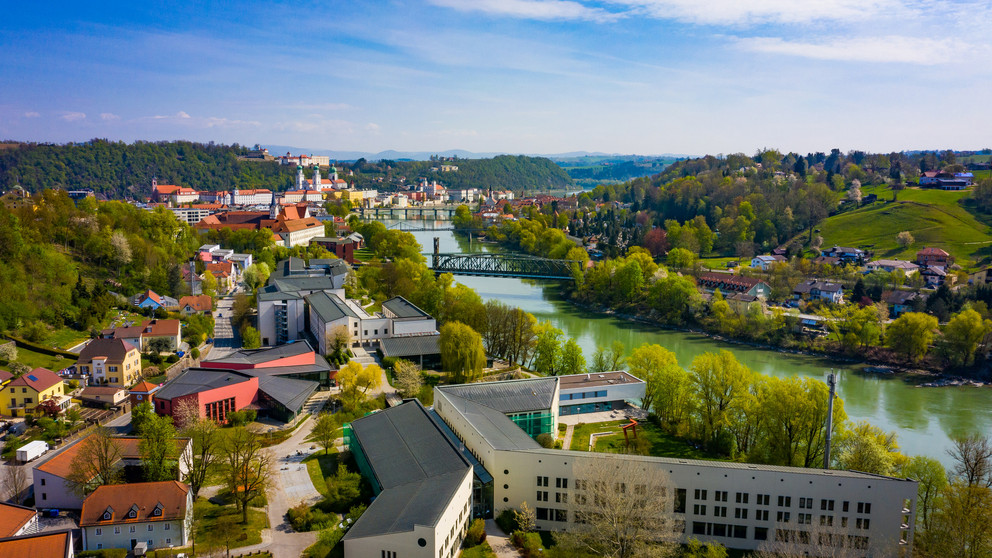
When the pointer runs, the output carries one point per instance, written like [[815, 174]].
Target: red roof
[[165, 189], [13, 518], [169, 498], [932, 252], [38, 379], [44, 545], [144, 386], [199, 303]]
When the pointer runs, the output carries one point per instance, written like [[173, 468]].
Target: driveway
[[226, 338]]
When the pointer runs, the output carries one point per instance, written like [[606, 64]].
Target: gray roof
[[402, 308], [329, 307], [495, 428], [413, 345], [334, 266], [288, 288], [195, 380], [255, 357], [512, 396], [288, 392], [417, 467]]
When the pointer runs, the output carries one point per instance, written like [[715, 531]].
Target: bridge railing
[[504, 265]]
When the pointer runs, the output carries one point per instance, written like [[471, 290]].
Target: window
[[131, 529], [99, 546], [761, 533], [782, 517], [785, 501], [827, 520], [561, 515], [542, 481], [846, 506], [720, 495], [42, 482], [862, 523], [698, 509], [742, 497], [679, 500], [764, 499], [720, 511], [700, 494], [44, 495], [117, 530], [843, 522], [561, 498], [804, 519], [864, 507], [541, 514], [740, 513], [151, 527], [168, 526], [561, 483], [366, 332], [542, 496], [168, 541], [99, 531], [826, 505], [761, 515]]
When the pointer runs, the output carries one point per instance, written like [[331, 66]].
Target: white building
[[399, 317], [190, 215], [592, 393], [251, 197], [282, 310], [148, 514]]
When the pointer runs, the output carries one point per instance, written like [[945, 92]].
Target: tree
[[325, 431], [8, 351], [653, 364], [209, 284], [548, 350], [250, 338], [905, 239], [15, 481], [854, 193], [960, 523], [973, 460], [206, 451], [97, 463], [962, 334], [120, 250], [911, 334], [141, 414], [461, 352], [572, 361], [622, 509], [246, 468], [157, 447], [718, 380], [932, 479], [696, 549], [408, 379], [356, 382], [680, 258], [256, 275], [869, 449], [338, 340]]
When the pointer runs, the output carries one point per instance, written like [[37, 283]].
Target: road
[[226, 339]]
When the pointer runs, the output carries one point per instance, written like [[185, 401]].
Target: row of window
[[559, 482], [783, 501], [151, 544], [551, 514], [582, 395], [131, 529]]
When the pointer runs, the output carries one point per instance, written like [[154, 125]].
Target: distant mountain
[[393, 155]]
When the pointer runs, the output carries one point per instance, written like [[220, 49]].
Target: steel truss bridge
[[504, 265]]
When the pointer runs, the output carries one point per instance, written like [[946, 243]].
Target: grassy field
[[933, 217], [41, 360], [221, 525], [479, 551], [659, 443], [321, 466]]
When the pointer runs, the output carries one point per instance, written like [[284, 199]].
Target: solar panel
[[32, 377]]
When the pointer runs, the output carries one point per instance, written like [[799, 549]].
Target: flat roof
[[509, 396], [594, 379], [412, 345]]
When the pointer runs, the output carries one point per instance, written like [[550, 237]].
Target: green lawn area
[[40, 360], [720, 262], [933, 217], [479, 551], [66, 338], [221, 525], [321, 466], [660, 444]]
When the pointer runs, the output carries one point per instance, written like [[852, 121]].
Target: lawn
[[66, 338], [479, 551], [321, 466], [660, 444], [933, 217], [40, 360], [220, 526]]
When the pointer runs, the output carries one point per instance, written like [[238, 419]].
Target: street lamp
[[170, 550]]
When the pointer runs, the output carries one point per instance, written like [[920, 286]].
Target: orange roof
[[297, 224], [119, 500], [199, 303], [38, 379], [45, 545], [61, 464], [14, 518], [144, 386], [165, 189], [155, 328]]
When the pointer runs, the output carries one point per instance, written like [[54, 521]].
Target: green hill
[[933, 217]]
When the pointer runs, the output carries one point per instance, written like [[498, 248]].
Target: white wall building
[[592, 393], [154, 514], [189, 214], [251, 197]]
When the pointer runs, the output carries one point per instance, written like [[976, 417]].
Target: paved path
[[566, 441], [499, 542], [224, 335]]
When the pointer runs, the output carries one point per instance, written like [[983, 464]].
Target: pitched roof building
[[17, 520], [110, 361], [157, 514], [41, 545]]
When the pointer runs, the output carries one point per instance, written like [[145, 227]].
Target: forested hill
[[503, 172], [122, 170]]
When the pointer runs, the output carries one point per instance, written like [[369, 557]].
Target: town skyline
[[527, 76]]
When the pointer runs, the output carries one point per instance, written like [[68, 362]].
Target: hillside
[[933, 217], [519, 173], [592, 170]]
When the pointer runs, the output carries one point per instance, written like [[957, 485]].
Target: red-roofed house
[[42, 545], [17, 520], [728, 283], [140, 336], [158, 514], [934, 257], [21, 395], [162, 192], [110, 361], [143, 392], [200, 304]]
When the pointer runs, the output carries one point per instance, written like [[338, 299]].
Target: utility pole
[[832, 383]]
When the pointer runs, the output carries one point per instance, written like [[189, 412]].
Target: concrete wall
[[614, 392], [409, 326], [51, 491]]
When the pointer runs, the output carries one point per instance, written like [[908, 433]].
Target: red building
[[934, 257], [294, 360], [141, 392], [343, 248], [214, 392]]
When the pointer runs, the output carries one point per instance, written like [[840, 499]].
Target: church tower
[[299, 177], [316, 177]]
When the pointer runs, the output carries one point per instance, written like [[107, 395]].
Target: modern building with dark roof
[[423, 350], [218, 392], [422, 482], [296, 361], [330, 310]]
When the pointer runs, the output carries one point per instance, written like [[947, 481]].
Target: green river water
[[923, 418]]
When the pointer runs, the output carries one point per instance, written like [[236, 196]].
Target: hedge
[[41, 348]]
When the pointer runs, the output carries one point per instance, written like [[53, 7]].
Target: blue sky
[[521, 76]]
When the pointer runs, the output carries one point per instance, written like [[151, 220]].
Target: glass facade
[[534, 423]]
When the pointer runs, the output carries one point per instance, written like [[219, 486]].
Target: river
[[924, 418]]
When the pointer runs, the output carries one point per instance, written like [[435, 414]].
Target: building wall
[[12, 398], [320, 329], [614, 392], [519, 472], [243, 393], [176, 535], [442, 540], [52, 491], [269, 329]]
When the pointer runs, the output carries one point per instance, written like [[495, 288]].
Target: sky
[[518, 76]]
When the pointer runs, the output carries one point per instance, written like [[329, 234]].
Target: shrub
[[507, 521], [528, 543], [35, 332], [546, 440], [305, 518], [476, 533], [172, 359], [195, 352], [105, 553]]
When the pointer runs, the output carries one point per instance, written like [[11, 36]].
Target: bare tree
[[973, 460], [16, 482], [337, 340], [206, 449], [621, 508], [97, 463], [408, 378], [246, 468]]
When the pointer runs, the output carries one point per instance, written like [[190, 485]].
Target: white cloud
[[109, 116], [545, 10], [72, 116], [372, 127], [182, 115], [741, 12], [31, 114], [892, 48]]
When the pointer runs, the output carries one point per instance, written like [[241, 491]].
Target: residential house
[[343, 248], [103, 396], [17, 520], [741, 303], [110, 361], [908, 268], [815, 289], [934, 276], [150, 299], [142, 392], [149, 330], [946, 180], [56, 544], [903, 301], [847, 255], [224, 273], [20, 396], [199, 304], [150, 514], [934, 257], [728, 283], [765, 263], [53, 489]]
